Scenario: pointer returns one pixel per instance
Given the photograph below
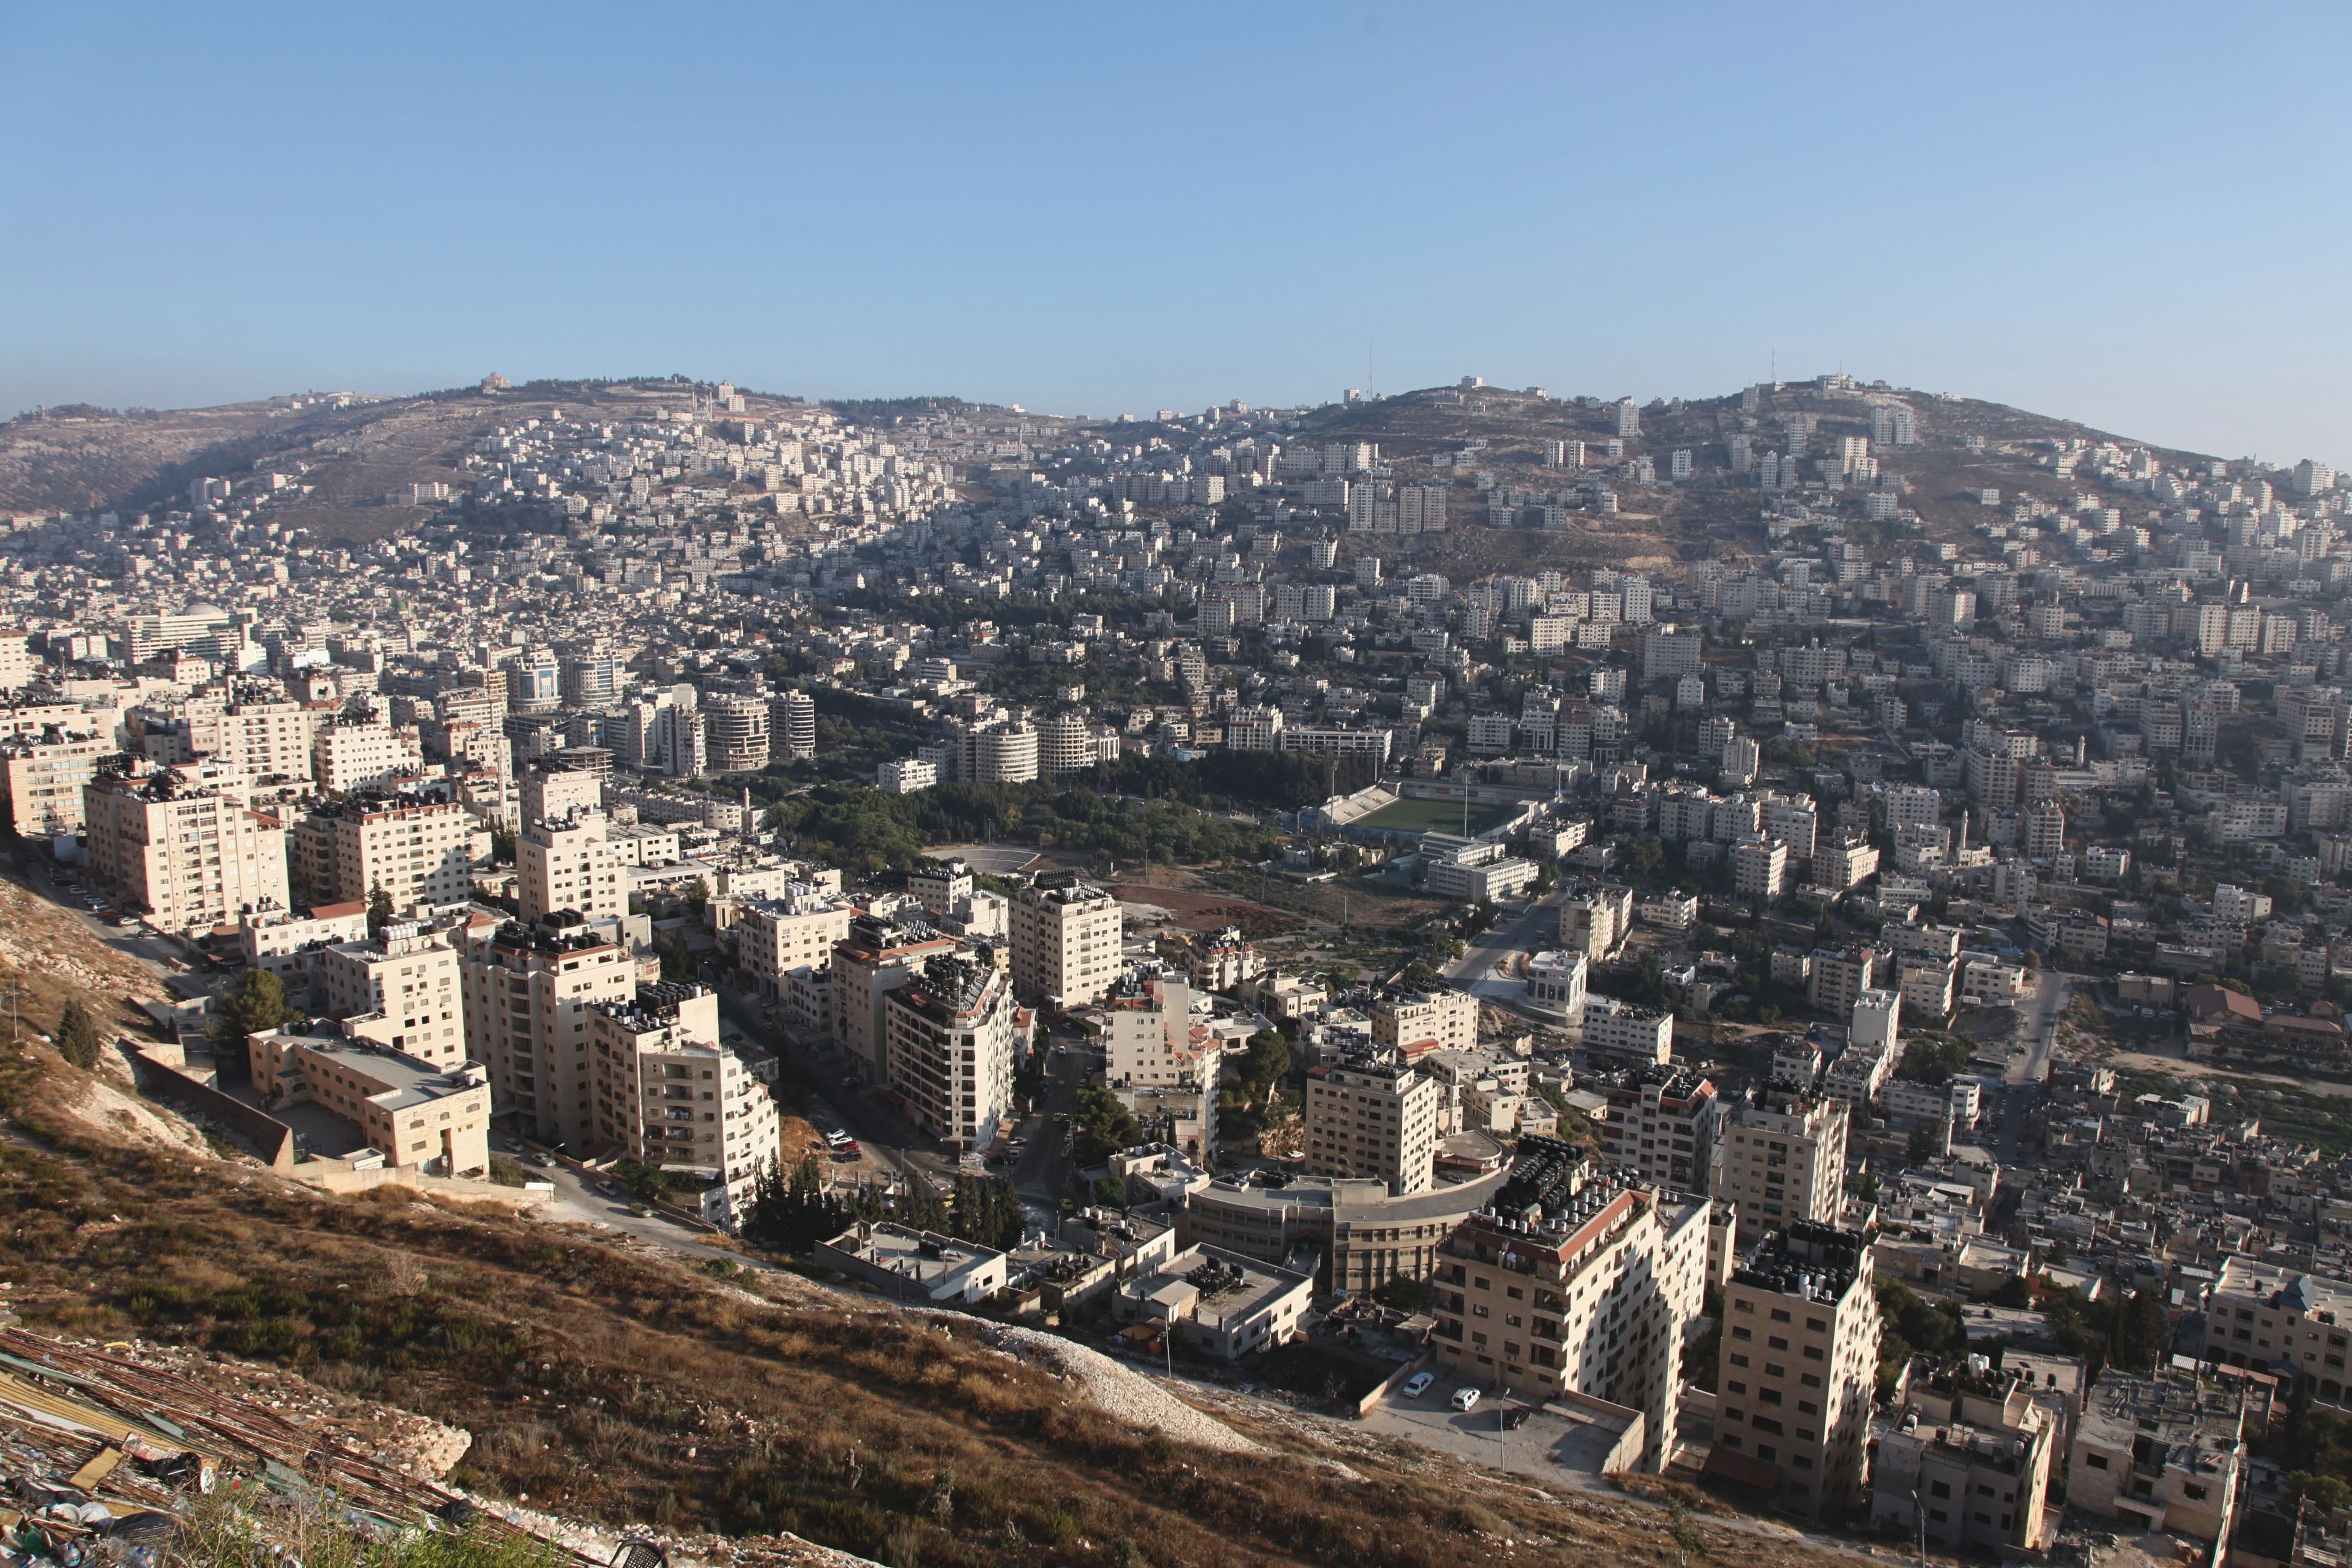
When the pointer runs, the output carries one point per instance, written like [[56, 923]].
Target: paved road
[[166, 960], [2037, 1027], [1488, 963]]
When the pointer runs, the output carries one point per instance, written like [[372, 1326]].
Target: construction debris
[[121, 1453]]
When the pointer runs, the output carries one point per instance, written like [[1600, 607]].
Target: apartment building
[[667, 1093], [1972, 1450], [2258, 1315], [529, 987], [1836, 979], [557, 787], [775, 936], [1066, 939], [953, 1046], [283, 941], [1375, 1120], [1416, 1023], [1148, 1033], [1782, 1160], [2166, 1454], [1844, 863], [42, 780], [872, 958], [1595, 921], [264, 740], [1583, 1295], [1759, 868], [417, 851], [1799, 1367], [409, 976], [432, 1117], [350, 755], [1664, 1122], [1625, 1030], [736, 729], [569, 863], [188, 858]]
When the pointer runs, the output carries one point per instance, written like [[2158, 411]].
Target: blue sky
[[2131, 214]]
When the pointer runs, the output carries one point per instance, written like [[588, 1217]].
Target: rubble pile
[[110, 1455]]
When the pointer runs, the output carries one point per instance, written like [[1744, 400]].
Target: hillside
[[353, 452], [616, 1384]]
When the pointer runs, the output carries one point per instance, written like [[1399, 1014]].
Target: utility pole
[[1922, 1514]]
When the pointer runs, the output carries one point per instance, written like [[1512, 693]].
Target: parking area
[[1554, 1443]]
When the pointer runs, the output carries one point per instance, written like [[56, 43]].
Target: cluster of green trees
[[2127, 1332], [1102, 1126], [1245, 1108], [865, 830], [792, 1214], [2314, 1446], [1932, 1058]]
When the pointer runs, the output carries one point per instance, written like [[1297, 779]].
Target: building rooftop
[[407, 1081]]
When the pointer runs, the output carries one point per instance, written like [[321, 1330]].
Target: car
[[1418, 1383], [641, 1210], [849, 1082], [543, 1159], [1465, 1399], [846, 1150], [1516, 1417], [609, 1189]]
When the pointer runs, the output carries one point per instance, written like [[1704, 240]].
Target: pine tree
[[380, 910], [77, 1036], [255, 1004]]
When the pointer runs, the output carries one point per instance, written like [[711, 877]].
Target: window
[[1939, 1488], [2096, 1461]]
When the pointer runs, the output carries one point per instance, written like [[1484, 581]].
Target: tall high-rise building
[[953, 1048], [795, 714], [873, 959], [1571, 1286], [1782, 1160], [409, 976], [1374, 1120], [1066, 939], [1664, 1122], [568, 863], [528, 987], [188, 855], [667, 1093], [42, 778], [736, 732], [418, 851], [1799, 1367]]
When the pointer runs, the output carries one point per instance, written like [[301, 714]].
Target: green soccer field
[[1433, 816]]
